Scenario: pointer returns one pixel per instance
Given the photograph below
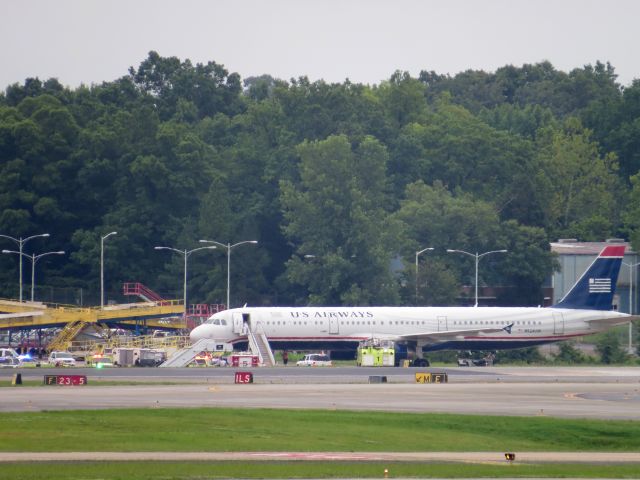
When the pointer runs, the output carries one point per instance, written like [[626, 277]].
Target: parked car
[[315, 360], [62, 359], [9, 358]]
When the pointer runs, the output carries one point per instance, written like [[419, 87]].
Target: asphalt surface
[[604, 393], [292, 374]]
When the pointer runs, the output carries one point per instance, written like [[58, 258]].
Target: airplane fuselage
[[431, 328], [585, 309]]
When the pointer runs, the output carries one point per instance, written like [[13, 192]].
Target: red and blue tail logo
[[595, 289]]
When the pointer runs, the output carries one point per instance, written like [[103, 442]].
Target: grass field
[[206, 470], [228, 430], [202, 429]]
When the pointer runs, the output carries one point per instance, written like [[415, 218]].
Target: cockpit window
[[216, 321]]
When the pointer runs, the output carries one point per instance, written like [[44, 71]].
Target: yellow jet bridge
[[31, 315]]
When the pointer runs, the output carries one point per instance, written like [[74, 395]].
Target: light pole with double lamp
[[417, 254], [228, 246], [477, 256], [186, 254], [102, 239], [631, 266], [21, 241], [34, 258]]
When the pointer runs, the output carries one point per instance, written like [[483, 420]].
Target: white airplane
[[585, 309]]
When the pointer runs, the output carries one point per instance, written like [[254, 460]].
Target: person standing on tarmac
[[285, 358]]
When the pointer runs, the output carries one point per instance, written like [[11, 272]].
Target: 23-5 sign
[[65, 379]]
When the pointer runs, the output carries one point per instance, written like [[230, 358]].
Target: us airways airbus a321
[[585, 309]]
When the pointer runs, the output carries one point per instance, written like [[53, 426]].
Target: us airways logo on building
[[599, 285]]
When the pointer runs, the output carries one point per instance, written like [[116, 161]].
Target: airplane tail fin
[[595, 289]]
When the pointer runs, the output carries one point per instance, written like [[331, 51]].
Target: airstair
[[62, 341], [148, 295], [259, 345], [184, 357]]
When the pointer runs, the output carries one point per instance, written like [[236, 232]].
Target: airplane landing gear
[[420, 362]]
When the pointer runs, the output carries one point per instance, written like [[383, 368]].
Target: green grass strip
[[228, 430], [216, 470]]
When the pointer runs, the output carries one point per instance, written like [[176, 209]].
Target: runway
[[585, 392]]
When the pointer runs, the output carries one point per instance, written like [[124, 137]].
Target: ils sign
[[244, 377]]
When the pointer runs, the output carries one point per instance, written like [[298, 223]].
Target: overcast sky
[[90, 41]]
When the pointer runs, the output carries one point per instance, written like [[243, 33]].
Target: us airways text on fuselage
[[323, 314]]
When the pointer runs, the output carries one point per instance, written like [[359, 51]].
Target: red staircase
[[143, 292], [199, 313], [206, 309]]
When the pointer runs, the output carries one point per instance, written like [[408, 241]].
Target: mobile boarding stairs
[[258, 344]]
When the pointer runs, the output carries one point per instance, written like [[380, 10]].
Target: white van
[[315, 360], [9, 358]]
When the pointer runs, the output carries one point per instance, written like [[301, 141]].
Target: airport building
[[575, 257]]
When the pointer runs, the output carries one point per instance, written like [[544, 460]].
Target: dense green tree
[[610, 349], [403, 99], [210, 87], [524, 121], [361, 177], [336, 216], [459, 150], [617, 128], [532, 84], [530, 356], [432, 216], [632, 213], [526, 265], [569, 354], [576, 183]]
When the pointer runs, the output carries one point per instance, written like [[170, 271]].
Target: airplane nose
[[196, 333]]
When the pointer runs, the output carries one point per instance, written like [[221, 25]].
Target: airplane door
[[442, 324], [558, 323], [237, 323], [333, 325]]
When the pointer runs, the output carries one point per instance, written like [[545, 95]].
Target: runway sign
[[65, 379], [244, 377], [431, 377]]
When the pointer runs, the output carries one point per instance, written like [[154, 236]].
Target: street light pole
[[102, 239], [631, 267], [186, 254], [477, 256], [21, 241], [228, 246], [417, 254], [34, 258]]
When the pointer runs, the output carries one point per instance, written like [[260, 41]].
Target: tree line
[[340, 183]]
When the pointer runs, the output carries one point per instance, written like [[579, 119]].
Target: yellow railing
[[58, 314], [66, 335], [141, 341]]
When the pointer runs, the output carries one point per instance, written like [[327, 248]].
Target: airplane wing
[[448, 335]]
